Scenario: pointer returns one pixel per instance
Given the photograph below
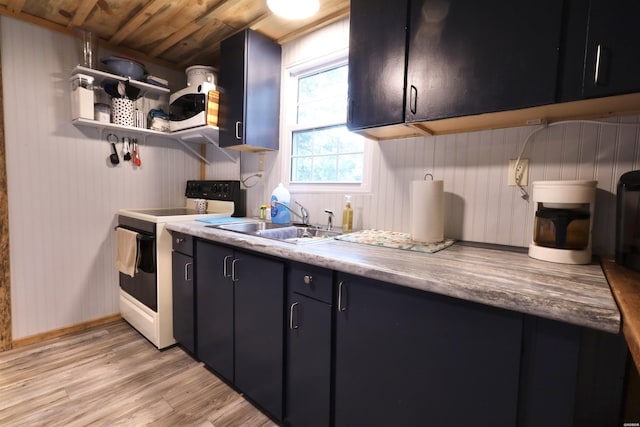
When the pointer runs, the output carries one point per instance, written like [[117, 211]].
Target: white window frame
[[290, 80]]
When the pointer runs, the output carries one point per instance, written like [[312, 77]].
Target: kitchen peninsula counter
[[576, 294]]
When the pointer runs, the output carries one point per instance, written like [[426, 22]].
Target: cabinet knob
[[308, 279]]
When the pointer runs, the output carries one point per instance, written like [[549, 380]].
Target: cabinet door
[[183, 301], [411, 358], [214, 308], [232, 99], [308, 390], [468, 57], [259, 321], [250, 103], [377, 47], [612, 63]]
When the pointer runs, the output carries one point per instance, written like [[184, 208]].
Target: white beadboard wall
[[479, 206], [63, 194]]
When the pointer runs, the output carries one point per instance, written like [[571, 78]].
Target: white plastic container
[[280, 214], [81, 96]]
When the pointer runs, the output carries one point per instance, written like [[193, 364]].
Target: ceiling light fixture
[[294, 9]]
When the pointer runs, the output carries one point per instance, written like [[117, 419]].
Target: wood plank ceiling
[[174, 33]]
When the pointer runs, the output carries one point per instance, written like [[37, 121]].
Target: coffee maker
[[628, 220], [563, 221]]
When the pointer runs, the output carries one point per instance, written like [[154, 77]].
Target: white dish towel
[[126, 251]]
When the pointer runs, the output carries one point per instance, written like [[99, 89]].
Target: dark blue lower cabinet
[[183, 301], [240, 300], [570, 376], [308, 384], [309, 345], [343, 350], [259, 340], [412, 358], [404, 357]]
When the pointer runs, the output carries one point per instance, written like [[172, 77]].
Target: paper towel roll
[[427, 211]]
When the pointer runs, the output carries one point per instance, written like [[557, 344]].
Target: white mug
[[200, 205]]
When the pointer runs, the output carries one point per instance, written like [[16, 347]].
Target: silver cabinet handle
[[186, 271], [596, 79], [340, 306], [179, 240], [308, 279], [234, 276], [225, 262], [413, 99], [291, 310], [238, 124]]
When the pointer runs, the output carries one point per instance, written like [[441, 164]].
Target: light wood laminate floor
[[110, 376]]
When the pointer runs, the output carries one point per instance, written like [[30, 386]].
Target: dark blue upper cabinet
[[250, 92], [377, 49], [470, 57], [612, 59]]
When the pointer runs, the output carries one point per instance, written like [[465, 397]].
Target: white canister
[[81, 96], [102, 113], [122, 111], [200, 205], [198, 74]]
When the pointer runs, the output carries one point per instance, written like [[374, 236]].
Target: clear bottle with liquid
[[347, 216]]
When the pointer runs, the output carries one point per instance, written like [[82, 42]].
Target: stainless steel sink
[[297, 234], [250, 227]]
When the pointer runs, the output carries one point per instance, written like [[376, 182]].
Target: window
[[323, 151]]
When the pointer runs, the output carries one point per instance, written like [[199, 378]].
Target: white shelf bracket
[[199, 137], [194, 152]]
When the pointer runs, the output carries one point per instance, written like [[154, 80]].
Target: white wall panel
[[63, 193]]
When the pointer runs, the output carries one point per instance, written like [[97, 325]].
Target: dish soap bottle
[[280, 214], [347, 216]]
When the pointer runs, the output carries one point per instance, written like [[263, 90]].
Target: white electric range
[[146, 298]]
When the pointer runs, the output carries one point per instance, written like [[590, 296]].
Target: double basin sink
[[297, 233]]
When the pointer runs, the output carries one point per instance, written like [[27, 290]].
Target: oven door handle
[[145, 238]]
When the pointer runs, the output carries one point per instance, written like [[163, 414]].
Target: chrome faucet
[[329, 219], [303, 215]]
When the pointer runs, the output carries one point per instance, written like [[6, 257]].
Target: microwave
[[194, 106]]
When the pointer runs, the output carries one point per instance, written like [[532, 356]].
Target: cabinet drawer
[[312, 281], [182, 243]]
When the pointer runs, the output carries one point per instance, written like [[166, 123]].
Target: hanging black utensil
[[114, 156]]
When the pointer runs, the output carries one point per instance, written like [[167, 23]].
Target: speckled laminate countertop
[[577, 294]]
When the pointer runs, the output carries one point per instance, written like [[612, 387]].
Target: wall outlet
[[522, 172], [260, 162]]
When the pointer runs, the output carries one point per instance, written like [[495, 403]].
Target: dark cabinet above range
[[462, 65], [250, 96]]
